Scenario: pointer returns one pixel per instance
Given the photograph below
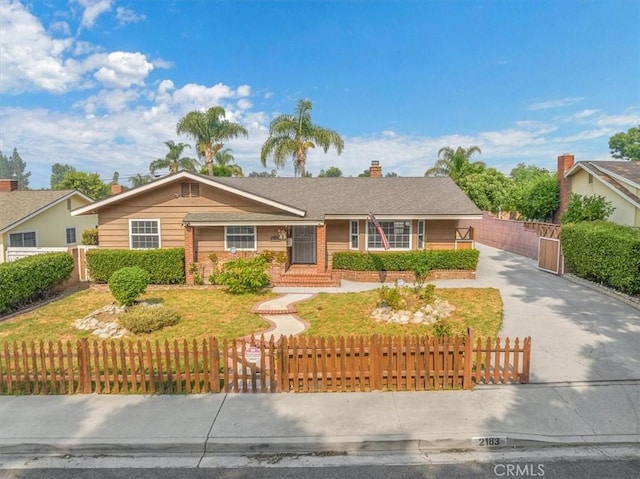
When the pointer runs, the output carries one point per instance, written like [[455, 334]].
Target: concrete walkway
[[281, 315]]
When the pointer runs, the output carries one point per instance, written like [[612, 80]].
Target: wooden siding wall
[[211, 239], [440, 234], [167, 205], [338, 236]]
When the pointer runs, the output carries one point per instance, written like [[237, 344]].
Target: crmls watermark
[[519, 470]]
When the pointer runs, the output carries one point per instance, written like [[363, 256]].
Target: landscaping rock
[[103, 329], [428, 314]]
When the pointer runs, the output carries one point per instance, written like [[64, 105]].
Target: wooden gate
[[550, 255]]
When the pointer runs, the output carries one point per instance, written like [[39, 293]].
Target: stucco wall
[[625, 213]]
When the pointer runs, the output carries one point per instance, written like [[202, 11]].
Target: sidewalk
[[342, 422]]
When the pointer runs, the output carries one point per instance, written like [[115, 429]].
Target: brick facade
[[565, 162]]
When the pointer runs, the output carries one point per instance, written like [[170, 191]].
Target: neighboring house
[[40, 218], [308, 219], [617, 181]]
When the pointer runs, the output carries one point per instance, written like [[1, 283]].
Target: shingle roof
[[357, 196], [16, 205], [312, 199]]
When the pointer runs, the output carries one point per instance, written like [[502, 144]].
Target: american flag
[[376, 225]]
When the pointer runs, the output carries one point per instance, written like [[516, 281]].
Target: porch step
[[308, 279]]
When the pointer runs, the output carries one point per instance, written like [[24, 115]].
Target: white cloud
[[244, 104], [126, 16], [109, 100], [92, 10], [630, 117], [60, 27], [585, 113], [30, 58], [545, 105], [123, 69]]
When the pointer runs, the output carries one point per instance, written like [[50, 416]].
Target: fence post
[[468, 360], [526, 360], [84, 369]]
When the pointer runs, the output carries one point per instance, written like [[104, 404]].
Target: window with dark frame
[[188, 190]]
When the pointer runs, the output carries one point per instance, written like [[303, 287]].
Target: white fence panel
[[14, 253]]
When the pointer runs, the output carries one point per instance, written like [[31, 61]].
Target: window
[[144, 234], [398, 233], [241, 238], [70, 234], [355, 230], [68, 203], [590, 178], [420, 234], [26, 239], [189, 189]]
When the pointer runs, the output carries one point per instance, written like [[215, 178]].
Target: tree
[[209, 130], [226, 158], [586, 208], [263, 174], [173, 160], [523, 179], [140, 179], [290, 136], [542, 198], [332, 172], [14, 167], [58, 171], [488, 189], [626, 146], [455, 163], [88, 183]]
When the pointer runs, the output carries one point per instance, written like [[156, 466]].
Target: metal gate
[[550, 255], [304, 245]]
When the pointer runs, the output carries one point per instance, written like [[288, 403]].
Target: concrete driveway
[[577, 334]]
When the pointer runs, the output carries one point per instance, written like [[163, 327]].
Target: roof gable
[[22, 205], [618, 176], [185, 175]]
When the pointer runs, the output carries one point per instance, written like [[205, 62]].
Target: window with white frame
[[70, 235], [24, 239], [144, 234], [242, 238], [398, 233], [354, 242], [420, 234]]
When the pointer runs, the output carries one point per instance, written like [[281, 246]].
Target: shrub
[[144, 319], [604, 252], [165, 266], [127, 284], [243, 275], [90, 236], [31, 278], [406, 298], [417, 261], [587, 208]]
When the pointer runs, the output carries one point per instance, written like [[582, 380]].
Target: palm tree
[[172, 160], [209, 130], [225, 158], [292, 135], [140, 179], [453, 162]]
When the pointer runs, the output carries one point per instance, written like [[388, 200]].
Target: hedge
[[466, 259], [604, 252], [165, 266], [31, 278]]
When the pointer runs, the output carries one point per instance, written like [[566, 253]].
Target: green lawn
[[211, 312], [348, 314]]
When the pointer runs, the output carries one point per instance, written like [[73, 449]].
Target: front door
[[304, 245]]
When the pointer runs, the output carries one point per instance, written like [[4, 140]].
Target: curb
[[314, 445]]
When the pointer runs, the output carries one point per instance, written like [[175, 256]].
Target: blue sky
[[101, 84]]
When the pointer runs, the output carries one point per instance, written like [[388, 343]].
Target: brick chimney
[[375, 171], [8, 184], [565, 162], [115, 189]]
